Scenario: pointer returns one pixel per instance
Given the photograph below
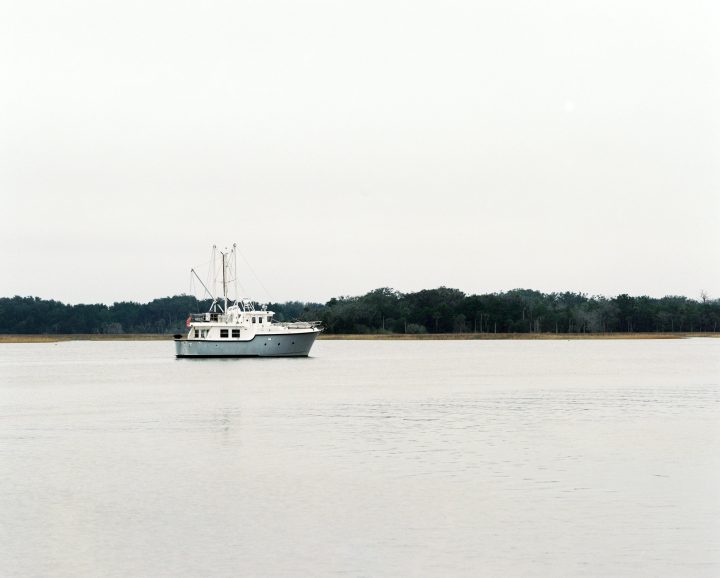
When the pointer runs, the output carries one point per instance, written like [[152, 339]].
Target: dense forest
[[384, 310]]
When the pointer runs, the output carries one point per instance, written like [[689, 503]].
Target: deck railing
[[222, 318], [207, 317], [300, 324]]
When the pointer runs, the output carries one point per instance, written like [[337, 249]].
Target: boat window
[[253, 320], [236, 333], [223, 333], [197, 334]]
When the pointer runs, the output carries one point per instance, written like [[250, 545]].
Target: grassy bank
[[46, 338], [368, 337], [531, 336]]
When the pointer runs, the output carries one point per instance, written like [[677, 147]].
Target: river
[[370, 458]]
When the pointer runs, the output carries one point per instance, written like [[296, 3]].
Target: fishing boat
[[235, 328]]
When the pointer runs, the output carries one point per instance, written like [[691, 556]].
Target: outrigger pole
[[203, 284]]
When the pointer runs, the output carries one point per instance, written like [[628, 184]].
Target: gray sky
[[345, 146]]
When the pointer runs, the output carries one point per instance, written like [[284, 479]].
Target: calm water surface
[[457, 458]]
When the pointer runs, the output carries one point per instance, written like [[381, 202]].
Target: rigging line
[[255, 275], [195, 289], [201, 265], [211, 269], [242, 288], [234, 278]]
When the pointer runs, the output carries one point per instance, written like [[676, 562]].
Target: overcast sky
[[346, 146]]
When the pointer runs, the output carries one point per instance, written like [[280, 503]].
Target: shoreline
[[48, 338], [515, 336]]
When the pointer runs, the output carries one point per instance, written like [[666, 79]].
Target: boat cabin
[[236, 323]]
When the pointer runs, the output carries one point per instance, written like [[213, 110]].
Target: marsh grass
[[530, 336], [47, 338]]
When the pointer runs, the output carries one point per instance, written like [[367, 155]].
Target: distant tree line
[[384, 310], [35, 315]]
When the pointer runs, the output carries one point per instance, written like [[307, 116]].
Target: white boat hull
[[294, 344]]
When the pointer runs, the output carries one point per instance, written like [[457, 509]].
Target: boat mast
[[214, 276], [224, 281], [235, 273]]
